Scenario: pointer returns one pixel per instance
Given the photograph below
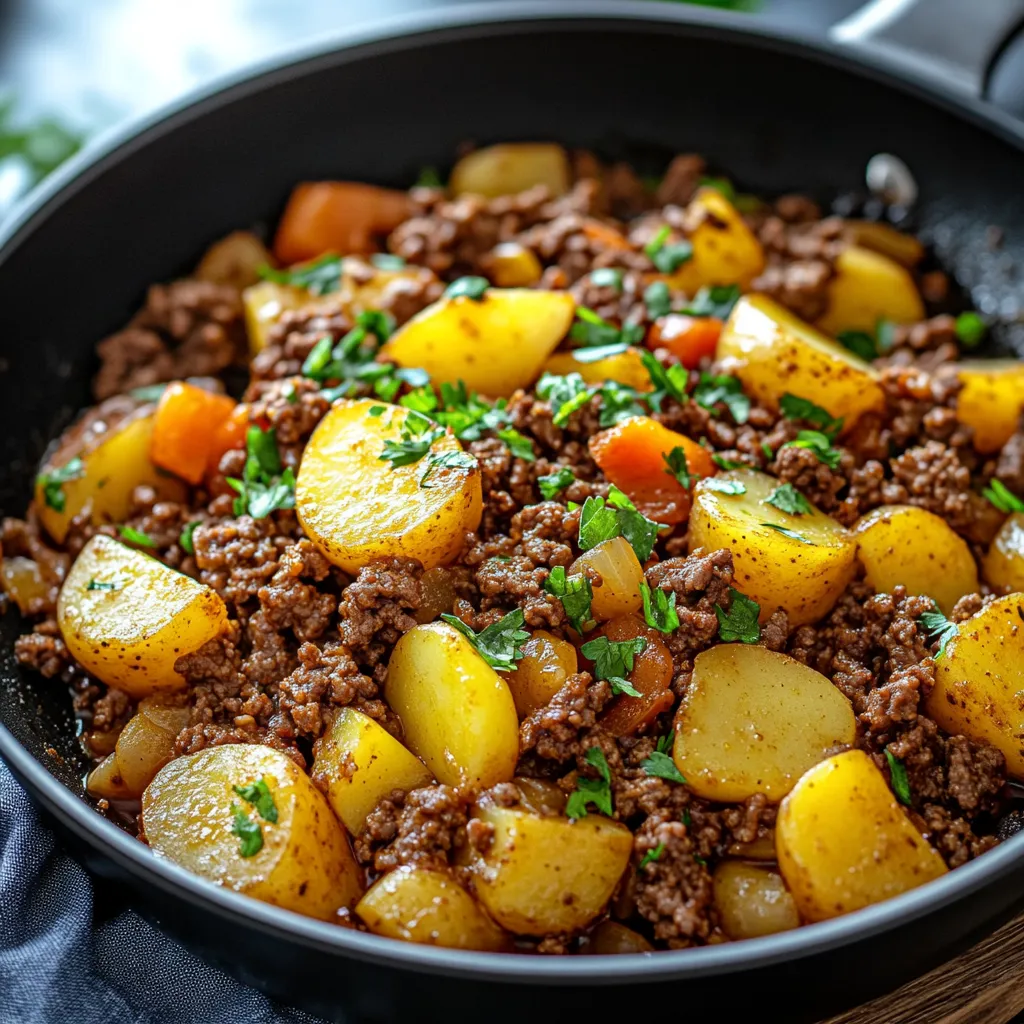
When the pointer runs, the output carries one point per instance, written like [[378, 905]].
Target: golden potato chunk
[[621, 578], [1003, 563], [457, 712], [753, 901], [990, 400], [903, 544], [880, 237], [725, 250], [146, 743], [624, 367], [843, 843], [23, 582], [285, 848], [774, 353], [610, 938], [418, 905], [495, 344], [512, 167], [510, 265], [979, 679], [97, 466], [127, 618], [105, 780], [356, 506], [234, 261], [753, 721], [545, 874], [264, 303], [546, 664], [869, 287], [360, 763], [801, 563]]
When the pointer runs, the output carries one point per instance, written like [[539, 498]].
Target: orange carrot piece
[[230, 434], [607, 236], [690, 339], [632, 456], [337, 216], [187, 421]]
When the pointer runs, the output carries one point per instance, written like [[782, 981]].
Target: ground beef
[[293, 336], [238, 556], [558, 731], [378, 606]]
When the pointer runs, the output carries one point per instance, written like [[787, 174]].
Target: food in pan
[[556, 561]]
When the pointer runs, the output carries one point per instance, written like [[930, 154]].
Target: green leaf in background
[[41, 146]]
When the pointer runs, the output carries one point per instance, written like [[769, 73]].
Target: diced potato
[[357, 507], [843, 843], [804, 574], [418, 905], [23, 582], [875, 235], [761, 848], [611, 938], [146, 743], [725, 250], [624, 367], [990, 400], [234, 261], [753, 901], [546, 664], [773, 352], [358, 763], [903, 544], [495, 344], [546, 874], [304, 863], [127, 618], [512, 167], [540, 795], [869, 287], [114, 462], [979, 680], [458, 713], [510, 265], [753, 721], [621, 576], [105, 780], [264, 303], [1003, 563], [651, 678]]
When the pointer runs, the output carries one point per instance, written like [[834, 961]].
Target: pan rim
[[462, 22]]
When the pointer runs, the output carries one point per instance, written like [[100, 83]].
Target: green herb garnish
[[786, 498], [791, 534], [659, 609], [592, 330], [468, 288], [723, 463], [446, 460], [429, 178], [575, 593], [500, 644], [820, 444], [668, 381], [592, 791], [1002, 497], [249, 833], [714, 300], [651, 856], [552, 483], [715, 389], [970, 329], [564, 394], [95, 584], [678, 467], [607, 277], [740, 621], [258, 794], [618, 402], [725, 486], [387, 261], [521, 447], [133, 536], [185, 541], [860, 343], [658, 300], [319, 277], [900, 782], [613, 660], [52, 483], [795, 408], [661, 765], [938, 628], [601, 520], [667, 256], [264, 488]]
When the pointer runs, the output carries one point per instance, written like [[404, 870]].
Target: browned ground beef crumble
[[306, 639]]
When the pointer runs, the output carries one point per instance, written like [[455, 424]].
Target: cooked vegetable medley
[[589, 565]]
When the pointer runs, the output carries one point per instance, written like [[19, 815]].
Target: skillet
[[630, 79]]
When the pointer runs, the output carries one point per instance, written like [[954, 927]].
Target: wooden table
[[983, 986]]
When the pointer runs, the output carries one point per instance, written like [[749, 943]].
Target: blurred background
[[69, 68]]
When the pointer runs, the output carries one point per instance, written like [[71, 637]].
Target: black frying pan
[[630, 79]]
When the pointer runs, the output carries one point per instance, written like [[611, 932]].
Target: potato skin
[[305, 864], [909, 546], [774, 353], [753, 901], [511, 167], [1003, 564], [356, 507], [429, 907], [990, 400], [843, 843], [753, 721], [457, 712], [772, 568], [979, 679], [360, 763], [547, 874], [131, 636]]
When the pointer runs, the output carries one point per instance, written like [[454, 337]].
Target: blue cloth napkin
[[58, 967]]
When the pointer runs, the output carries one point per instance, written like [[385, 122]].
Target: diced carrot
[[607, 236], [651, 676], [632, 456], [230, 434], [690, 339], [343, 217], [187, 421]]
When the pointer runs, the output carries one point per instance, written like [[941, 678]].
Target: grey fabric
[[56, 967]]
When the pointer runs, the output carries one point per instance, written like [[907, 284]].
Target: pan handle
[[950, 43]]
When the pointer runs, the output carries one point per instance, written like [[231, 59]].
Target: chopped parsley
[[714, 300], [723, 185], [668, 381], [601, 520], [659, 609], [938, 628], [796, 408], [885, 335], [592, 330], [786, 498], [387, 261], [133, 536], [466, 413], [860, 343], [1002, 497], [723, 463], [607, 277], [592, 791], [725, 486], [429, 178], [595, 353], [319, 277], [148, 393], [564, 394], [185, 541], [264, 487], [417, 434], [791, 534], [468, 288], [820, 444], [652, 855], [500, 644], [715, 389], [658, 300], [521, 447], [52, 483], [970, 329], [613, 660], [660, 764], [575, 593], [552, 483], [249, 833], [667, 256], [95, 584], [900, 782], [353, 359], [740, 621], [258, 794], [455, 459], [618, 402], [678, 467]]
